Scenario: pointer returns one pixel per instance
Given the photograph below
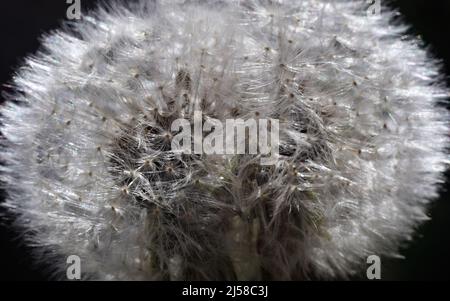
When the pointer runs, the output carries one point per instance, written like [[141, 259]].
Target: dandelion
[[90, 170]]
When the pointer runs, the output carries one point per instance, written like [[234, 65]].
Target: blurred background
[[22, 22]]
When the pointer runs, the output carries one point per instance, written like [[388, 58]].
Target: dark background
[[428, 258]]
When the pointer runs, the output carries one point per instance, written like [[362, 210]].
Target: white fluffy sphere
[[90, 171]]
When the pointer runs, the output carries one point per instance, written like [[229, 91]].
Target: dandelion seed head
[[90, 170]]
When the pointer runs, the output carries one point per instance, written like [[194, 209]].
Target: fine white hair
[[89, 170]]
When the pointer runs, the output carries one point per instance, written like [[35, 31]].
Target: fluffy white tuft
[[90, 172]]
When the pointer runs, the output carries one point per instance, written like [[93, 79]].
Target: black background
[[22, 22]]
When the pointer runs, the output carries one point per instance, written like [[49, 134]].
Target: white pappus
[[89, 169]]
